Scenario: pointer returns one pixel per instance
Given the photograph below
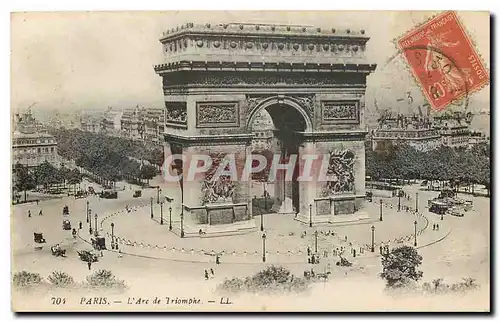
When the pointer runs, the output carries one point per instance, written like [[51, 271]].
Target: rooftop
[[267, 29]]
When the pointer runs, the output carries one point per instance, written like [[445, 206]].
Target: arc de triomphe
[[216, 79]]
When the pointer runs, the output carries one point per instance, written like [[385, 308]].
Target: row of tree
[[44, 175], [460, 166], [110, 158]]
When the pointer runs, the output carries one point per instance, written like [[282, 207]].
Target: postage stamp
[[443, 60]]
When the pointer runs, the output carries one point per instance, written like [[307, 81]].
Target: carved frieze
[[176, 114], [307, 101], [217, 189], [217, 114], [263, 79], [341, 111], [341, 172]]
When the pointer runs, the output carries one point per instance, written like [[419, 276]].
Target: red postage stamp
[[443, 59]]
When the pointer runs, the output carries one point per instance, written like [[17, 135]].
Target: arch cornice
[[303, 105]]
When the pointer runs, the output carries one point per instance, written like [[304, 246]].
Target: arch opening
[[274, 125]]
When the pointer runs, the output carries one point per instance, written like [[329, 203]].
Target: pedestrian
[[29, 213], [381, 249], [345, 238], [102, 254], [217, 260], [212, 271], [434, 227], [80, 225], [313, 259], [206, 275], [37, 202], [89, 264], [437, 226], [354, 253], [40, 213], [120, 255], [308, 251]]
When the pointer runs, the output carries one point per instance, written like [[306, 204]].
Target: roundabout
[[284, 240]]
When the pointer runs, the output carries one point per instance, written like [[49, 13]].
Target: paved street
[[462, 253]]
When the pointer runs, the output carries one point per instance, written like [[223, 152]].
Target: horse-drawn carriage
[[87, 256], [66, 224], [137, 193], [58, 251], [38, 238], [99, 243]]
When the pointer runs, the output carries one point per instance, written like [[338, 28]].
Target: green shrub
[[438, 286], [22, 279], [104, 278], [60, 279], [271, 279]]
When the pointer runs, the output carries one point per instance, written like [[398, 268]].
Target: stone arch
[[282, 100]]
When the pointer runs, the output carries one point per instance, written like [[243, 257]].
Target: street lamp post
[[399, 201], [151, 207], [158, 190], [264, 247], [90, 225], [161, 213], [112, 236], [381, 210], [95, 227], [87, 211], [416, 202], [415, 224], [261, 220], [182, 224], [373, 239], [265, 197], [310, 215], [170, 210], [316, 242]]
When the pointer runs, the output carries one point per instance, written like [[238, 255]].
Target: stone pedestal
[[286, 207]]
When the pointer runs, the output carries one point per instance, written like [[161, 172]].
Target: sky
[[75, 61]]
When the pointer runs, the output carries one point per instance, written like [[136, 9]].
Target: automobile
[[137, 193], [438, 207], [38, 238], [107, 194], [81, 194], [66, 225]]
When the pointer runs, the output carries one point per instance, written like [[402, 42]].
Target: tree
[[148, 172], [400, 266], [24, 180]]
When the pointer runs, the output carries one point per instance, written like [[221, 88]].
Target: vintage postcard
[[263, 161]]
